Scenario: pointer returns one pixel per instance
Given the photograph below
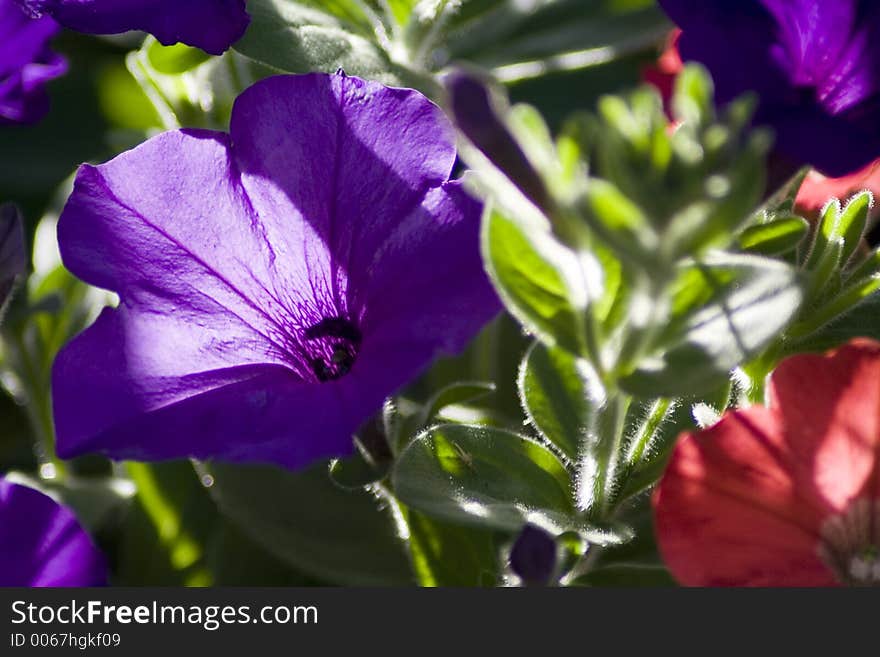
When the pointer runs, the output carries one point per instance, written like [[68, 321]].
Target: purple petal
[[367, 198], [276, 285], [812, 35], [26, 64], [350, 158], [168, 226], [112, 396], [436, 240], [716, 34], [212, 25], [813, 64], [471, 104], [42, 544]]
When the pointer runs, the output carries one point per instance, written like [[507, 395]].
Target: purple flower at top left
[[26, 64], [212, 25]]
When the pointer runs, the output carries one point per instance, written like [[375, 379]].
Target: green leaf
[[633, 575], [201, 96], [862, 319], [533, 135], [488, 478], [851, 223], [356, 471], [825, 237], [236, 560], [693, 99], [652, 429], [459, 473], [13, 252], [165, 533], [455, 393], [635, 563], [372, 458], [353, 15], [307, 521], [540, 281], [729, 197], [173, 535], [124, 101], [621, 224], [726, 309], [401, 10], [445, 554], [178, 58], [559, 393], [294, 38], [661, 197], [522, 41], [776, 237]]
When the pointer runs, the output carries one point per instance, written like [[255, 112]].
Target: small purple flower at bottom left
[[26, 64], [42, 543]]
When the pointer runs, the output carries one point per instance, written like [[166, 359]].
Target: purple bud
[[533, 556], [471, 106], [13, 262]]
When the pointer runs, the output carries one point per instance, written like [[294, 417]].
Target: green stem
[[580, 59], [154, 93], [183, 549], [649, 427], [838, 306], [420, 58], [396, 31], [639, 342], [585, 565], [758, 370], [598, 467], [376, 23], [234, 74], [38, 407]]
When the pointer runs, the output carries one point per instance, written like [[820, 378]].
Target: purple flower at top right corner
[[27, 63], [814, 64]]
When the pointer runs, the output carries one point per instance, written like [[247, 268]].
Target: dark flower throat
[[334, 342]]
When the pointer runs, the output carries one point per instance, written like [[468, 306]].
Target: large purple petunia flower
[[26, 64], [212, 25], [815, 65], [276, 283], [42, 544]]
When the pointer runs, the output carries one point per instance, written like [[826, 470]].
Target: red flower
[[817, 190], [662, 74], [787, 495]]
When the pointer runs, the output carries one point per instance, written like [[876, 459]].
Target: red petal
[[728, 512], [662, 74], [817, 190], [830, 408]]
